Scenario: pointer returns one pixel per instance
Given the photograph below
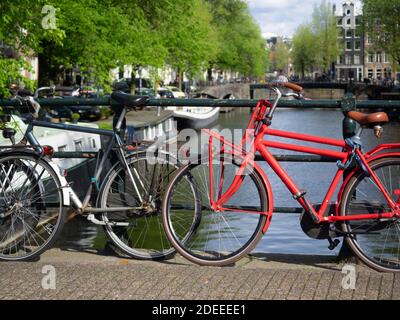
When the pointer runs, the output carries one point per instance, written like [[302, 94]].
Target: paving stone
[[91, 277]]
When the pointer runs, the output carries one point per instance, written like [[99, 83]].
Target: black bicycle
[[35, 198]]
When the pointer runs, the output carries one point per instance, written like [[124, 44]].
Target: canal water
[[284, 235]]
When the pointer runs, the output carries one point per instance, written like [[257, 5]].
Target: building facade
[[377, 64], [350, 63], [360, 60]]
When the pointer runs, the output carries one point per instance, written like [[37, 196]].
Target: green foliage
[[326, 35], [97, 36], [240, 44], [382, 23], [316, 44], [280, 56], [304, 48]]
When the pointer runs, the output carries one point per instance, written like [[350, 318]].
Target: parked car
[[178, 93], [165, 93], [125, 84], [147, 92]]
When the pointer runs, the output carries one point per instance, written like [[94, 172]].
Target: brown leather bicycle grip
[[293, 87]]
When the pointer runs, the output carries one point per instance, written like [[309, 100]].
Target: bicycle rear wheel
[[218, 238], [31, 207], [375, 242], [143, 237]]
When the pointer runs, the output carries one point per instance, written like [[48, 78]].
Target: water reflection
[[284, 235]]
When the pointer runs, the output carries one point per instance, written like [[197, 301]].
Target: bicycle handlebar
[[289, 85]]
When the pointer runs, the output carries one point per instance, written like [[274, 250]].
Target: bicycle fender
[[270, 196], [65, 188]]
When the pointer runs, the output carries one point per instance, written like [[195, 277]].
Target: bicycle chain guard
[[319, 231]]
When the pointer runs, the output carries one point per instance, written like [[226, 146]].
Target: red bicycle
[[229, 196]]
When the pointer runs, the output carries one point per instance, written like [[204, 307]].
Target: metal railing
[[346, 104]]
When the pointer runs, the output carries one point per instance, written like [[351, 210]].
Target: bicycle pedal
[[333, 244]]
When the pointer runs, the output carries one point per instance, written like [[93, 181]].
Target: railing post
[[348, 104]]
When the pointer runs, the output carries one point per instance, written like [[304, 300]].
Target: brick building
[[350, 63]]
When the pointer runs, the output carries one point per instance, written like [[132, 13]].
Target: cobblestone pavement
[[96, 276]]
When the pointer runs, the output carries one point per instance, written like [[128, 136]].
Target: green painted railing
[[323, 104]]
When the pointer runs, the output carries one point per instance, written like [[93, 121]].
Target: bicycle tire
[[213, 259], [32, 225], [359, 196], [124, 239]]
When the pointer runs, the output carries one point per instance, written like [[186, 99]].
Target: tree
[[304, 49], [241, 47], [326, 32], [382, 23], [20, 35], [280, 56], [99, 36]]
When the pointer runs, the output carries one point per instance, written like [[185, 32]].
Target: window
[[340, 22], [348, 59], [386, 58], [340, 60], [349, 33], [356, 59], [358, 21], [370, 73], [348, 12], [160, 129], [348, 45], [360, 74], [370, 58], [379, 74], [78, 145], [168, 125], [348, 21], [379, 57], [357, 45], [62, 148]]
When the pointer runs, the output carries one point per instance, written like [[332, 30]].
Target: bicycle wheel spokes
[[207, 235], [143, 237], [378, 241], [30, 207]]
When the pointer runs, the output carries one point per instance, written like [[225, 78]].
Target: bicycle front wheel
[[142, 236], [375, 242], [31, 207], [206, 236]]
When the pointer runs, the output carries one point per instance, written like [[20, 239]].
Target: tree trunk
[[209, 75], [180, 73], [48, 72], [133, 82]]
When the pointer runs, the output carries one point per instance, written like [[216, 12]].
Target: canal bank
[[99, 276]]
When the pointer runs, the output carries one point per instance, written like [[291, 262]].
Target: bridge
[[313, 90]]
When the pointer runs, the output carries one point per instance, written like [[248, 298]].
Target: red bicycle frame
[[261, 145]]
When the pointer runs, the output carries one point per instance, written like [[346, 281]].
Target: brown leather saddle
[[369, 120]]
